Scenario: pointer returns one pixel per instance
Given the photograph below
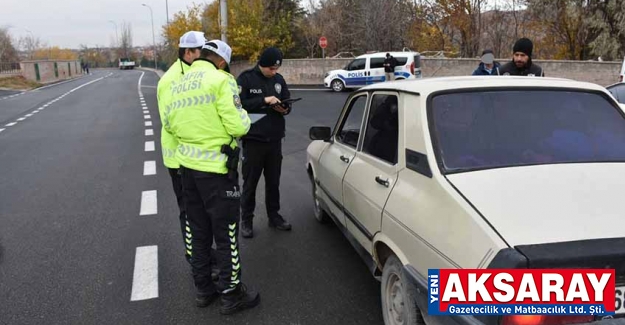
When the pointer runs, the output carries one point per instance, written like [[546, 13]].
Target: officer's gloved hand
[[282, 108], [288, 107]]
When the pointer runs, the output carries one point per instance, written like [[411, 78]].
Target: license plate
[[620, 300]]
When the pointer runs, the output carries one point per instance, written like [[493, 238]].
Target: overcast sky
[[69, 23]]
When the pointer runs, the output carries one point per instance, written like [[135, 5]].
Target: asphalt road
[[72, 233]]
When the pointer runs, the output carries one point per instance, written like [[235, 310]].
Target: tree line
[[560, 29]]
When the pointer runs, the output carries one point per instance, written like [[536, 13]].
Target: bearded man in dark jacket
[[521, 64]]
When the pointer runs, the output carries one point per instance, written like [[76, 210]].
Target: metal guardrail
[[10, 68]]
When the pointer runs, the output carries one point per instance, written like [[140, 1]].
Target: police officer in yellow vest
[[188, 50], [206, 117]]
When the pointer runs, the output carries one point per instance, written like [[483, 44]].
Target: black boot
[[279, 223], [247, 229], [238, 299], [204, 300]]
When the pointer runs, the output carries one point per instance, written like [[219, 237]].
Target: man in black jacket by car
[[262, 89], [521, 64]]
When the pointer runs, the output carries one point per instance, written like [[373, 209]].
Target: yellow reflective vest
[[163, 95], [204, 113]]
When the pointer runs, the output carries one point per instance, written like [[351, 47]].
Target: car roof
[[383, 54], [425, 86]]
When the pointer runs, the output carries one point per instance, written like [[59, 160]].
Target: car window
[[490, 129], [376, 63], [401, 60], [618, 91], [349, 131], [358, 64], [417, 61], [382, 128]]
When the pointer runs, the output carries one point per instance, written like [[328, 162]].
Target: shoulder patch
[[237, 101], [278, 87]]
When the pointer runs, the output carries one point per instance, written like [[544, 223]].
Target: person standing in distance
[[389, 67], [262, 89], [188, 50], [206, 117], [521, 64]]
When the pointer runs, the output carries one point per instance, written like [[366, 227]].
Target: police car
[[368, 69]]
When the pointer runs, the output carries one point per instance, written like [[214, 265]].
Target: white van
[[368, 69]]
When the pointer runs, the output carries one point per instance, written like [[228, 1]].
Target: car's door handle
[[381, 181], [344, 159]]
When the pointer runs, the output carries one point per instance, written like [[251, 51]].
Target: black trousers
[[212, 205], [261, 158], [176, 181]]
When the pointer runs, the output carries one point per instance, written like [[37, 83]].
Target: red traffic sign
[[323, 42]]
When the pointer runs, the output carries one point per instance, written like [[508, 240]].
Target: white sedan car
[[474, 172]]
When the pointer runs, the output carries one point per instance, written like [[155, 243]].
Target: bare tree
[[126, 39], [30, 44], [310, 26], [7, 50]]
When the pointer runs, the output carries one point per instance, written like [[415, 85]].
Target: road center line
[[149, 146], [145, 277], [148, 203], [148, 123], [149, 168], [149, 132]]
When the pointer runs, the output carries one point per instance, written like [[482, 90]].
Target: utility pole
[[153, 38], [224, 20], [167, 11]]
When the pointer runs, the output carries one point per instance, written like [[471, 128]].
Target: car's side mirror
[[320, 133]]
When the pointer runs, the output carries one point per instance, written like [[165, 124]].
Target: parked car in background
[[474, 172], [125, 63], [368, 69]]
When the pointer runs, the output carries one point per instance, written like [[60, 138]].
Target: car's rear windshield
[[490, 129]]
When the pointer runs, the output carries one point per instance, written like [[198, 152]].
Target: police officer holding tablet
[[262, 91]]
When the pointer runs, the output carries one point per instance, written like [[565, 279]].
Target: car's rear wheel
[[399, 304], [320, 214], [337, 85]]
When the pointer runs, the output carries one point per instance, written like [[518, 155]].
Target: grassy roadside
[[18, 83]]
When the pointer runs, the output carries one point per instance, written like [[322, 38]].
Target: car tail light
[[545, 320], [412, 68], [620, 78]]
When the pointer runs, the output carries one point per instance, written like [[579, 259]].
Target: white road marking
[[149, 146], [29, 115], [148, 203], [1, 130], [146, 112], [148, 123], [146, 117], [11, 124], [145, 277], [139, 85], [21, 118], [149, 132], [149, 168]]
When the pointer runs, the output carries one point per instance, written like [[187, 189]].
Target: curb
[[159, 73]]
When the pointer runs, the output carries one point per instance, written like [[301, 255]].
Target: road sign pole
[[323, 43]]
